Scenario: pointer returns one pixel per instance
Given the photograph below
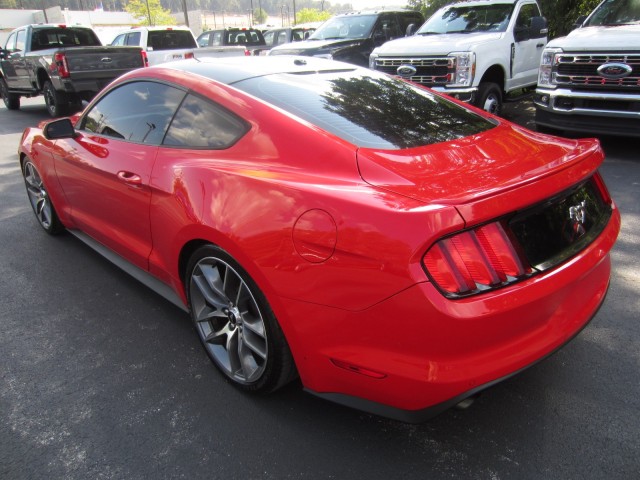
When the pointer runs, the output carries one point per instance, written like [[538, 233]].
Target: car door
[[14, 65], [526, 52], [105, 170]]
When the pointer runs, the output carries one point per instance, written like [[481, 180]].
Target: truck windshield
[[615, 12], [171, 39], [356, 26], [467, 19]]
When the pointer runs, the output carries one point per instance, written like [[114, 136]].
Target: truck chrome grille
[[582, 71], [430, 71]]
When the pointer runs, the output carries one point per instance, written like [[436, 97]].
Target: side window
[[217, 39], [527, 12], [137, 111], [200, 123], [386, 29], [282, 37], [203, 40], [406, 20], [21, 40], [118, 41], [268, 38], [11, 43], [133, 39]]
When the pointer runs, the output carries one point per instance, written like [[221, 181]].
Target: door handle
[[540, 45], [130, 178]]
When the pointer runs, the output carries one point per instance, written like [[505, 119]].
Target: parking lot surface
[[101, 378]]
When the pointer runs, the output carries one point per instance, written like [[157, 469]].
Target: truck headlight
[[465, 68], [372, 60], [548, 61]]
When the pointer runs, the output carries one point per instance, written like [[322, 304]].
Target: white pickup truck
[[168, 44], [590, 79], [478, 51]]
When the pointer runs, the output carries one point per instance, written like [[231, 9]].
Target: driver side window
[[136, 112]]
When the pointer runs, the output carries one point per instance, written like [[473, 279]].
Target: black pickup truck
[[66, 64]]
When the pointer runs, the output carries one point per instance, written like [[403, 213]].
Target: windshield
[[615, 12], [402, 116], [356, 26], [466, 19]]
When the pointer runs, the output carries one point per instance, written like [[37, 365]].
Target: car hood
[[621, 37], [472, 168], [436, 44]]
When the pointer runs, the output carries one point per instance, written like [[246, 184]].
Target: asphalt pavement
[[102, 379]]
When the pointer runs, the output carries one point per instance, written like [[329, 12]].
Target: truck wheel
[[489, 98], [57, 102], [11, 100]]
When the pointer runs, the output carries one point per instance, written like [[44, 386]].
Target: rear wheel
[[57, 102], [489, 98], [11, 100], [40, 201], [235, 323]]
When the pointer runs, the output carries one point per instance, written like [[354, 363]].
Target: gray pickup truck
[[66, 64]]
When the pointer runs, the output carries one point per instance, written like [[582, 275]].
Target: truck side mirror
[[539, 27], [3, 53], [411, 29]]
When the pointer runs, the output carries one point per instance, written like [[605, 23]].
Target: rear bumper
[[417, 354]]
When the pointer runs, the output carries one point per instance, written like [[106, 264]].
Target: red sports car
[[396, 250]]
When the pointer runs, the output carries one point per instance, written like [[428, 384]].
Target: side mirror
[[539, 27], [62, 128], [411, 29], [3, 53]]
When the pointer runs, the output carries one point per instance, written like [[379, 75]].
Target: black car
[[353, 36]]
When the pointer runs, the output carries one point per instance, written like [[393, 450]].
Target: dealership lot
[[103, 379]]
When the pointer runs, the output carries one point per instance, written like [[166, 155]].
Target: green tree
[[150, 12], [8, 4], [260, 16], [307, 15]]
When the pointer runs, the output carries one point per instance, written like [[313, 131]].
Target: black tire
[[11, 100], [489, 98], [235, 323], [57, 102], [40, 200]]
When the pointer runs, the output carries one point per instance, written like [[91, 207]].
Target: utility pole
[[186, 14]]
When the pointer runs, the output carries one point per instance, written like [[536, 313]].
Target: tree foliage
[[307, 15], [150, 12]]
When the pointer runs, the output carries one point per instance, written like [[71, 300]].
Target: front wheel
[[40, 201], [489, 98], [57, 102], [11, 100], [235, 323]]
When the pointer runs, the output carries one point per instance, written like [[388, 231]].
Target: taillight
[[247, 53], [475, 261], [145, 58], [188, 55], [60, 61]]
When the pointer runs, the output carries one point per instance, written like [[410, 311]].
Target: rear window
[[244, 37], [57, 37], [367, 108], [171, 40]]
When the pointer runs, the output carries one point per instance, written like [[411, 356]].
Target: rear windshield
[[244, 37], [367, 108], [57, 37], [171, 39]]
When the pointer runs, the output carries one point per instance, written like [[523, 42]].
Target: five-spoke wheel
[[39, 199], [235, 324]]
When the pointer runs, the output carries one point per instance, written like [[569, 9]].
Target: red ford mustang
[[397, 251]]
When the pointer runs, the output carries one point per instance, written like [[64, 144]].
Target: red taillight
[[188, 55], [145, 58], [602, 188], [247, 53], [475, 261], [60, 61]]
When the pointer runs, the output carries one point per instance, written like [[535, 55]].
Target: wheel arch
[[42, 77], [494, 74]]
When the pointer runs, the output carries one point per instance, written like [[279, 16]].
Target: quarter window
[[201, 124], [137, 112]]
